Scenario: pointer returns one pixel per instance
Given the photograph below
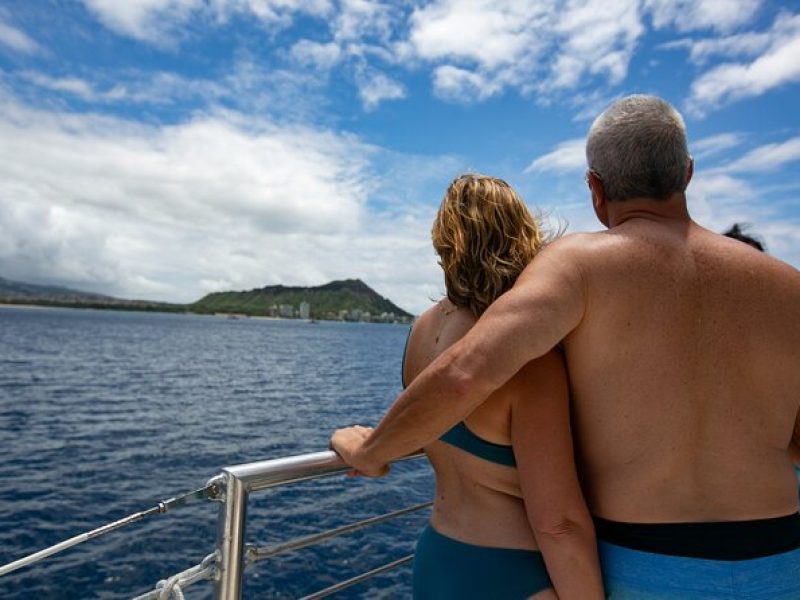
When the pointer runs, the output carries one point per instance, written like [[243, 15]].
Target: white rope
[[172, 587]]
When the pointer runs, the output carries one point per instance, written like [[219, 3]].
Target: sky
[[165, 149]]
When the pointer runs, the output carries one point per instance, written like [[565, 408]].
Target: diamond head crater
[[344, 300]]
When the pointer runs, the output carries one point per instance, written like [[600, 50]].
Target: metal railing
[[227, 563], [233, 487]]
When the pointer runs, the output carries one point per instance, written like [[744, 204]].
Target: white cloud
[[776, 66], [319, 55], [71, 85], [590, 105], [374, 87], [741, 44], [689, 15], [481, 47], [462, 85], [568, 156], [245, 85], [485, 32], [782, 238], [270, 11], [714, 144], [596, 38], [150, 20], [109, 192], [361, 33], [157, 21], [768, 157], [359, 19], [16, 39], [717, 200]]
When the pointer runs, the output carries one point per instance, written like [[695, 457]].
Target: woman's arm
[[557, 512]]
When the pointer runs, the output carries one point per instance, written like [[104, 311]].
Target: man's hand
[[347, 443]]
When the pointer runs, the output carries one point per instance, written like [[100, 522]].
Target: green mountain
[[348, 299], [18, 289]]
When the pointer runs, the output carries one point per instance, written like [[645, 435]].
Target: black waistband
[[725, 540]]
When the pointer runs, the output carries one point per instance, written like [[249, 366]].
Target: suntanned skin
[[479, 502], [683, 351]]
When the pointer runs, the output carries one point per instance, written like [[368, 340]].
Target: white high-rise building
[[305, 310]]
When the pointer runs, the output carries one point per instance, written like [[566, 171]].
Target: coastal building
[[286, 311], [305, 310]]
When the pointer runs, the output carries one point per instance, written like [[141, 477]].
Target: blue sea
[[104, 413]]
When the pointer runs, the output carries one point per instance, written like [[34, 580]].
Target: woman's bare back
[[476, 501]]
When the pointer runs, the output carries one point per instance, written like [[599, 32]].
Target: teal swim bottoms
[[446, 569]]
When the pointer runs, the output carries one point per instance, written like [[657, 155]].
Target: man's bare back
[[684, 375]]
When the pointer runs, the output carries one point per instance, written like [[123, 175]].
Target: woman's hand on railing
[[347, 442]]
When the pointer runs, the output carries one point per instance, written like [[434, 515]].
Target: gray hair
[[638, 148]]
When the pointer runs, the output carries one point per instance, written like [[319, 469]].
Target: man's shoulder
[[569, 258], [744, 258], [581, 246]]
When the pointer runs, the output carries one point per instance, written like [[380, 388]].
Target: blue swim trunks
[[446, 569], [746, 560]]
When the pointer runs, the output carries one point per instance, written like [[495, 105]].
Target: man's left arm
[[547, 302]]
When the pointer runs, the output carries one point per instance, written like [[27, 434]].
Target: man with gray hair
[[683, 351]]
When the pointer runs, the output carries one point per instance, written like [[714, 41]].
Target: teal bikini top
[[461, 437]]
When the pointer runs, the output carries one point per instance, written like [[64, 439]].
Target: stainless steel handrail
[[236, 483], [254, 553]]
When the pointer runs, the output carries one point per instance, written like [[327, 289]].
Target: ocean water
[[104, 413]]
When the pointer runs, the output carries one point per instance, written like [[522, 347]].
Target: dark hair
[[737, 233]]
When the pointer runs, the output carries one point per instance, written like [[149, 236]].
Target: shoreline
[[148, 309]]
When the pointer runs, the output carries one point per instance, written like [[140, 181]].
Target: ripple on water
[[103, 413]]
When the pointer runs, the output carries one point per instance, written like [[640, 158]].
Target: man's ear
[[690, 170], [599, 201]]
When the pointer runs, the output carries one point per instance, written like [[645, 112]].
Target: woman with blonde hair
[[509, 520]]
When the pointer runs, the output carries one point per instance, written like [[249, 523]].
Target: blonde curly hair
[[484, 236]]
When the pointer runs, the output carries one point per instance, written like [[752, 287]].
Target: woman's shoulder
[[422, 325], [426, 317], [433, 332], [443, 313]]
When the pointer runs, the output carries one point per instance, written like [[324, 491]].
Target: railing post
[[230, 538], [236, 482]]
